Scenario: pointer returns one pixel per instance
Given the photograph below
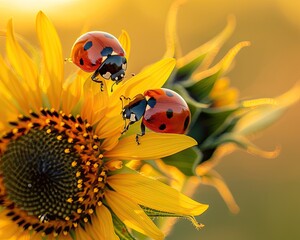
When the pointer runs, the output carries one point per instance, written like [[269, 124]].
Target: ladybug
[[101, 53], [162, 110]]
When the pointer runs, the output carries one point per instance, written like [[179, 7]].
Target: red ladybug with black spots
[[101, 53], [162, 110]]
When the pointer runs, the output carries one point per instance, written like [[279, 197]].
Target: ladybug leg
[[125, 127], [112, 87], [101, 86], [96, 79], [143, 131]]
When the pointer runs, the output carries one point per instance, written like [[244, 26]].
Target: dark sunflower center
[[38, 175], [52, 175]]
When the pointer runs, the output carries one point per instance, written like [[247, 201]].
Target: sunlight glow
[[33, 5]]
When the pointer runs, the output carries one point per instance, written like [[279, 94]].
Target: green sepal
[[201, 89], [185, 72], [120, 229], [185, 161], [202, 83], [152, 213], [210, 122], [202, 56]]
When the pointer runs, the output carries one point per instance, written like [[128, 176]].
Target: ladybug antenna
[[122, 98]]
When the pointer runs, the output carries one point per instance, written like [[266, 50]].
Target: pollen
[[95, 147], [95, 165], [59, 137], [67, 150]]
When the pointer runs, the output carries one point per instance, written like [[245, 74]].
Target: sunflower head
[[62, 152]]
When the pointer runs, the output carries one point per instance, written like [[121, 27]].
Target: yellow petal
[[152, 146], [154, 194], [223, 66], [214, 179], [124, 39], [110, 126], [220, 152], [94, 103], [82, 234], [26, 72], [72, 91], [266, 112], [102, 227], [8, 229], [172, 41], [246, 144], [132, 215], [53, 59], [207, 52], [11, 98], [110, 142]]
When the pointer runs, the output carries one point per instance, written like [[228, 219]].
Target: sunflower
[[63, 173]]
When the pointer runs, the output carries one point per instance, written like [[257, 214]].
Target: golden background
[[267, 191]]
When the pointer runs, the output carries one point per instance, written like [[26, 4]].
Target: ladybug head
[[134, 110], [113, 68]]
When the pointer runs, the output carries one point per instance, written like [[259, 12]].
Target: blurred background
[[267, 191]]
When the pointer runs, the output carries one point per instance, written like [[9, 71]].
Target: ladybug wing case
[[164, 119], [169, 114]]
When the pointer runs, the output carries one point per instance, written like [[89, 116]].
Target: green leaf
[[185, 161], [120, 229]]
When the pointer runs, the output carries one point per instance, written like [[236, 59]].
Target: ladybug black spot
[[169, 94], [106, 51], [87, 45], [81, 62], [151, 102], [162, 126], [169, 113], [186, 123]]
